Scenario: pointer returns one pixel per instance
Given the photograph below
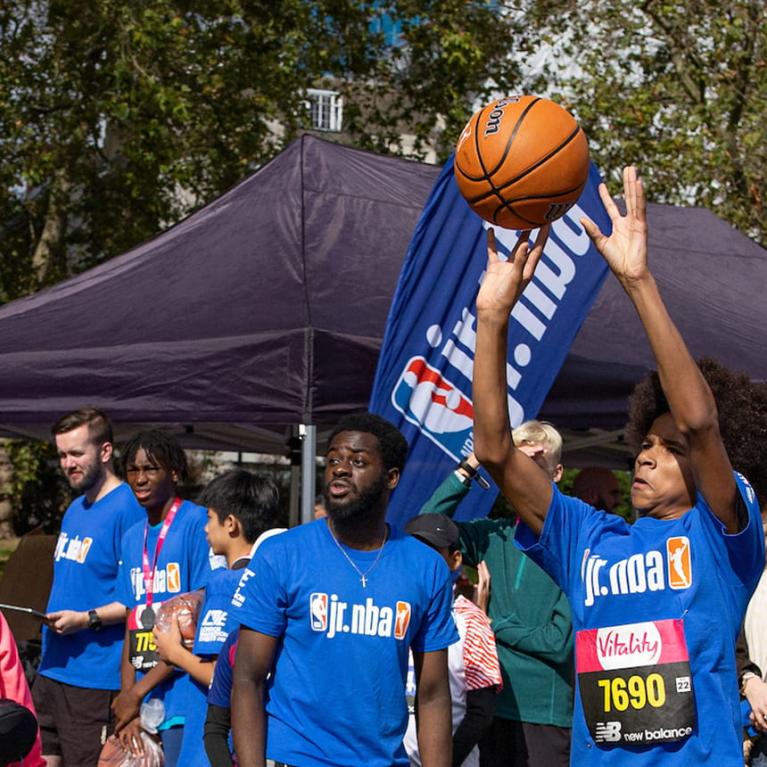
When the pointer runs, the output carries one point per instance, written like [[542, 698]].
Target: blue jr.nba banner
[[423, 381]]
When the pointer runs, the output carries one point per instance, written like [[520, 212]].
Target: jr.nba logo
[[435, 405], [318, 610]]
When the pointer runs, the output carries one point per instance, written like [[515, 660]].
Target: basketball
[[521, 161]]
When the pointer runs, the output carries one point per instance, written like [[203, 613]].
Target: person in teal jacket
[[530, 617]]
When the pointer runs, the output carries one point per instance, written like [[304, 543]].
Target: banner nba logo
[[424, 376], [428, 400], [318, 611]]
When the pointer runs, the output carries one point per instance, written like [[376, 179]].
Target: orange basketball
[[521, 162]]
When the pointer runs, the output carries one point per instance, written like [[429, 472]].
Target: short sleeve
[[220, 691], [211, 628], [437, 630], [745, 548], [259, 601], [557, 547], [124, 588], [200, 564]]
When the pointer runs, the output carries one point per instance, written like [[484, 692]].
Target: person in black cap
[[18, 731], [474, 671]]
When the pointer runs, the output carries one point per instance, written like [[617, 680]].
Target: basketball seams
[[495, 189], [486, 177], [514, 133], [545, 196]]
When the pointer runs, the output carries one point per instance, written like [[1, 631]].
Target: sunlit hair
[[742, 409], [159, 447], [540, 433], [99, 425], [252, 499]]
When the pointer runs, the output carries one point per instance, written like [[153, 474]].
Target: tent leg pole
[[294, 512], [308, 433]]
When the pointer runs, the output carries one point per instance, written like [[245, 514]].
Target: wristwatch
[[94, 622], [472, 473]]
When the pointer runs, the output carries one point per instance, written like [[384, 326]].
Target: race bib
[[635, 683], [142, 650]]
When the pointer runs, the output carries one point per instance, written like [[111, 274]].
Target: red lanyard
[[149, 575]]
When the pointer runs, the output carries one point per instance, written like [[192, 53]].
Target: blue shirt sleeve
[[260, 602], [745, 549], [200, 561], [220, 692], [567, 521], [437, 630], [124, 588]]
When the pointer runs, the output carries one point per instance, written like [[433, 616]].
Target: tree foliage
[[117, 119], [678, 88]]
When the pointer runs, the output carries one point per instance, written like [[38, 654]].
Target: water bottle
[[152, 715]]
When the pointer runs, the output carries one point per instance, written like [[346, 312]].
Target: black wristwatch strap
[[473, 474], [94, 622]]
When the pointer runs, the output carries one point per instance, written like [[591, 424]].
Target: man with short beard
[[331, 609], [79, 672]]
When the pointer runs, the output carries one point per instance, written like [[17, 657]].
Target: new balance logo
[[648, 571], [330, 616], [607, 732]]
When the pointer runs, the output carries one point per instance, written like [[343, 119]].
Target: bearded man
[[328, 612], [79, 673]]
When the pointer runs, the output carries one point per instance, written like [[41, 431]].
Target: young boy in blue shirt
[[241, 506]]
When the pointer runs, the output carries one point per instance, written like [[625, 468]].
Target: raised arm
[[519, 478], [690, 400]]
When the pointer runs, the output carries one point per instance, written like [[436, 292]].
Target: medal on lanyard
[[148, 614]]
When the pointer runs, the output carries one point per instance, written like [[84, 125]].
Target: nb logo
[[608, 732]]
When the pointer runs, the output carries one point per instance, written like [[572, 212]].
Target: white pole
[[308, 434]]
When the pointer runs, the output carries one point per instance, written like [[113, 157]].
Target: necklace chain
[[363, 576]]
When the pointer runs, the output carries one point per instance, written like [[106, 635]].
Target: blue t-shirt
[[336, 697], [185, 564], [213, 627], [657, 575], [85, 569], [220, 692]]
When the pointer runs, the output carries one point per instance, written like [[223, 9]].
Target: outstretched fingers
[[492, 250], [608, 202], [534, 255], [593, 231]]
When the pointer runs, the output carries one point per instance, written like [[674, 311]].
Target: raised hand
[[504, 281], [625, 250]]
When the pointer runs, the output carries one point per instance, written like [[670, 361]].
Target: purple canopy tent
[[266, 309]]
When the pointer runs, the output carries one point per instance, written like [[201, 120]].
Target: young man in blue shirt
[[79, 672], [330, 610], [656, 605], [161, 557]]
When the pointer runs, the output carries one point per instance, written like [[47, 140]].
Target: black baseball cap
[[18, 730], [436, 530]]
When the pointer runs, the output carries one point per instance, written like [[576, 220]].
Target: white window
[[327, 109]]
